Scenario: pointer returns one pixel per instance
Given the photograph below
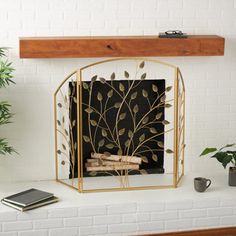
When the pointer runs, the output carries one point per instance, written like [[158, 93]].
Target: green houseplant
[[6, 76], [225, 155]]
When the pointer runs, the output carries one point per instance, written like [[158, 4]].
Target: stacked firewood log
[[108, 162]]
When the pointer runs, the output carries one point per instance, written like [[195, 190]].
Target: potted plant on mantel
[[5, 114], [225, 155]]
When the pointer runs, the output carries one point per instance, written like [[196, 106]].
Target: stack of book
[[29, 199]]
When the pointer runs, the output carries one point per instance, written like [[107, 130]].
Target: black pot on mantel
[[232, 176]]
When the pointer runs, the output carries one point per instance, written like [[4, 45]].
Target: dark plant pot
[[232, 176]]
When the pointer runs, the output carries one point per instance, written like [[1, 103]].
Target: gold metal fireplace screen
[[119, 125]]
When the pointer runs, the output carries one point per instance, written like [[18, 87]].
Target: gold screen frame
[[178, 136]]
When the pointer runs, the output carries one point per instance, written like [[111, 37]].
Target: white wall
[[210, 81]]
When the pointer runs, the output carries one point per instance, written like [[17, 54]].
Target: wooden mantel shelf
[[120, 46]]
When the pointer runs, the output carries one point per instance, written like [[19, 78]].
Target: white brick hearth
[[122, 213]]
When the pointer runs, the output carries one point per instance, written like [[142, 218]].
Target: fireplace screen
[[119, 125]]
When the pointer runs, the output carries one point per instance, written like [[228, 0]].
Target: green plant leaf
[[223, 157], [207, 151], [228, 145]]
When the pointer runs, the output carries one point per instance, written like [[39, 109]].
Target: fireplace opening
[[107, 99], [119, 124]]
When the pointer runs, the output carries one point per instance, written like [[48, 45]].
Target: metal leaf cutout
[[121, 87], [160, 144], [110, 145], [93, 122], [103, 81], [59, 151], [89, 110], [110, 93], [66, 132], [127, 142], [113, 76], [73, 123], [158, 115], [163, 98], [169, 151], [101, 143], [75, 99], [165, 122], [126, 74], [63, 163], [145, 120], [86, 138], [104, 133], [94, 78], [144, 159], [136, 108], [85, 85], [99, 96], [154, 157], [122, 116], [141, 65], [117, 105], [154, 88], [59, 122], [145, 93], [130, 133], [141, 138], [153, 130], [121, 131], [168, 88], [143, 76], [167, 105], [134, 95], [63, 146], [59, 105]]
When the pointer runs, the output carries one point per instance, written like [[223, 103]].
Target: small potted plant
[[225, 155]]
